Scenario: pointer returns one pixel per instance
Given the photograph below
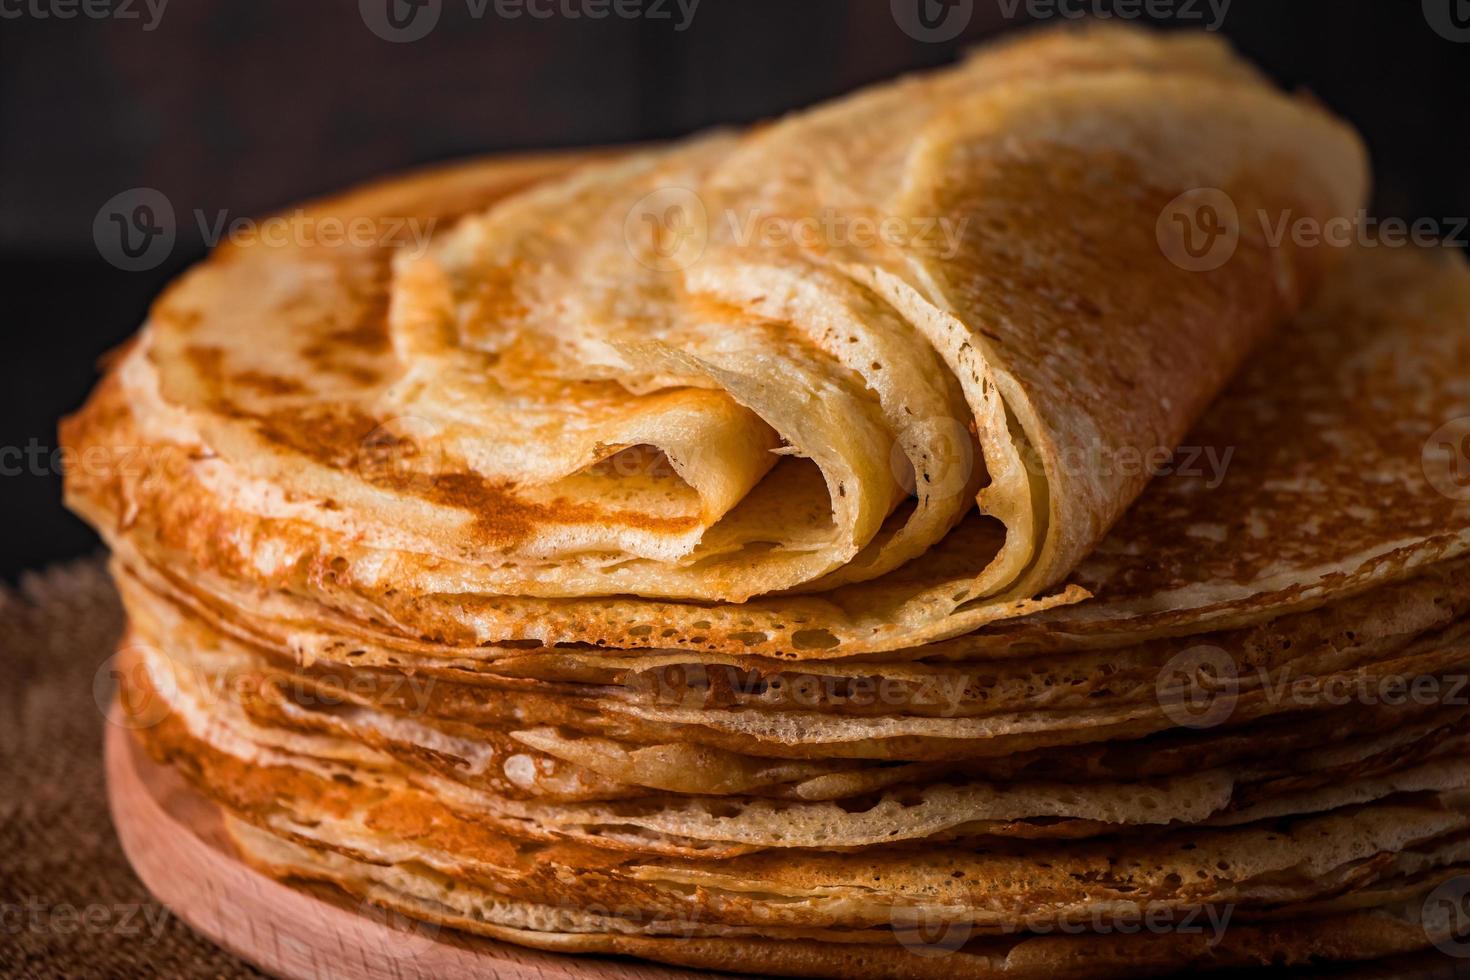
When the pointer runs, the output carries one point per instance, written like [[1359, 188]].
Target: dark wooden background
[[246, 105]]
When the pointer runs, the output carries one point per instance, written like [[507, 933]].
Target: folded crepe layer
[[702, 827], [1383, 667], [1334, 637], [435, 723], [910, 949], [1363, 401], [691, 732], [1258, 866], [507, 781], [801, 734], [536, 407], [1331, 465], [721, 553], [545, 766]]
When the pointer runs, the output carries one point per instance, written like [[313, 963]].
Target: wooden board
[[176, 842]]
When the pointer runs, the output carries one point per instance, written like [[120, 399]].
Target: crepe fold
[[792, 362], [1008, 803], [1033, 797], [728, 553]]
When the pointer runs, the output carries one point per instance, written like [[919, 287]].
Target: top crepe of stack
[[613, 574]]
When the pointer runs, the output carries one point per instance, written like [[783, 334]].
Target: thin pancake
[[539, 341]]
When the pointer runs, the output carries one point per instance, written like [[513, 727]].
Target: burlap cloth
[[69, 904]]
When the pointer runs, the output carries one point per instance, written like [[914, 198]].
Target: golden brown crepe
[[542, 407], [708, 553]]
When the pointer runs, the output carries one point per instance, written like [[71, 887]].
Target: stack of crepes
[[602, 577]]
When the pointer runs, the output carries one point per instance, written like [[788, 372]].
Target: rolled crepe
[[883, 362]]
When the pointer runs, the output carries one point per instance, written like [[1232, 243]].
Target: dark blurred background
[[239, 107]]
